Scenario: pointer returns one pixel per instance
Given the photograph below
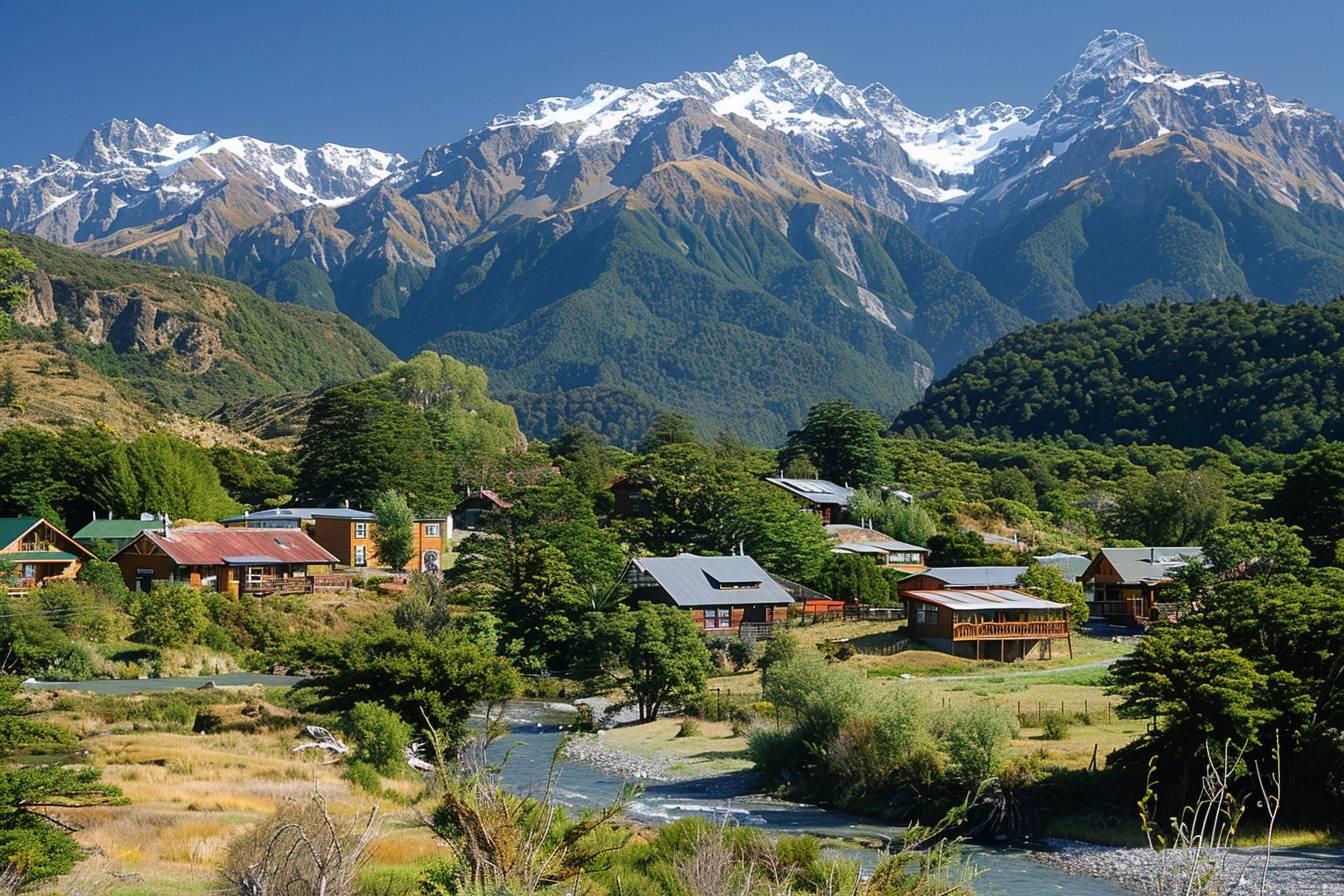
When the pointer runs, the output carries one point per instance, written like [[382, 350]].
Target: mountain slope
[[147, 192], [170, 340], [1181, 374], [724, 281]]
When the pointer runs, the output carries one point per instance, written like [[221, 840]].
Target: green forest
[[1207, 374]]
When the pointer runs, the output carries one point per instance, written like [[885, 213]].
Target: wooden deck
[[987, 631]]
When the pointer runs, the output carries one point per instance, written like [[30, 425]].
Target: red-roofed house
[[247, 561], [477, 507]]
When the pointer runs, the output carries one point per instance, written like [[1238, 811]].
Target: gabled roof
[[299, 514], [1150, 564], [695, 581], [15, 527], [992, 599], [225, 547], [857, 538], [817, 491], [488, 495], [976, 576], [1072, 565], [12, 528], [116, 529]]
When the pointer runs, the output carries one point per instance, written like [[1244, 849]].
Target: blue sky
[[403, 76]]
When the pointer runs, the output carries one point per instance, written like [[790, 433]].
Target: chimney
[[95, 516], [1152, 556]]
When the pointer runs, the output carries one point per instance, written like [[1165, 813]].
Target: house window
[[431, 530], [361, 530], [361, 555], [716, 618]]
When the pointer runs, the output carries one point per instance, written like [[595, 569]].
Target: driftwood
[[324, 740]]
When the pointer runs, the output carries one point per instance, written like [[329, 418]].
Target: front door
[[144, 580], [754, 614]]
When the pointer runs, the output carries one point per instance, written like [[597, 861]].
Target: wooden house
[[996, 624], [730, 596], [349, 534], [117, 533], [952, 578], [476, 509], [234, 561], [820, 496], [629, 495], [39, 552], [885, 551], [1121, 585]]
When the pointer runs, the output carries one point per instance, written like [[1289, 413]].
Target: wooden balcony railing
[[296, 584], [976, 631]]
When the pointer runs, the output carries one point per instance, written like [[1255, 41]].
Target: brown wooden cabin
[[476, 509], [1121, 585], [954, 578], [882, 549], [728, 596], [40, 553], [233, 561], [820, 496], [997, 624], [628, 497]]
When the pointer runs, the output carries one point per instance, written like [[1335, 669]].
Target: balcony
[[984, 631]]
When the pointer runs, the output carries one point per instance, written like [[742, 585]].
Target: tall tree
[[363, 439], [1175, 507], [669, 428], [393, 525], [1312, 498], [844, 443], [654, 653]]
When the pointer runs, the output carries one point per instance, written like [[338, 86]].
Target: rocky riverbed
[[590, 749], [1296, 872]]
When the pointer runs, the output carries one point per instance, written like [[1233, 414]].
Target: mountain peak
[[1110, 56]]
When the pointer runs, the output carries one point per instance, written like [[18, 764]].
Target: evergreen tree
[[844, 443], [393, 525]]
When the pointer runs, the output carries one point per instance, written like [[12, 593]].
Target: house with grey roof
[[986, 623], [722, 594], [1072, 565], [884, 550], [821, 496], [1122, 585], [951, 578]]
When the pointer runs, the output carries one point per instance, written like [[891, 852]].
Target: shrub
[[300, 850], [975, 738], [169, 615], [380, 735], [105, 578], [783, 646], [774, 753], [365, 777], [741, 653], [1055, 726], [689, 728]]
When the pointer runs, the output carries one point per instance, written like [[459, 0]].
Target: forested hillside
[[142, 339], [1180, 374]]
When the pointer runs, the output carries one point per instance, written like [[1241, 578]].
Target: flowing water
[[536, 732]]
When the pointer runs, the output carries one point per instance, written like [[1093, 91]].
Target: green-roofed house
[[117, 533], [39, 553]]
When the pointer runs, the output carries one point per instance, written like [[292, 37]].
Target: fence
[[1032, 713], [833, 611], [890, 649]]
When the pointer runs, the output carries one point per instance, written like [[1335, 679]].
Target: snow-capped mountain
[[133, 176]]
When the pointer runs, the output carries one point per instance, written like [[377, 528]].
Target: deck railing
[[295, 584], [975, 631]]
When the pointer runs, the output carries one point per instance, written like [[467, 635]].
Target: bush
[[975, 738], [105, 578], [1055, 726], [380, 736], [169, 615], [783, 646], [741, 653], [689, 728], [774, 753], [365, 777]]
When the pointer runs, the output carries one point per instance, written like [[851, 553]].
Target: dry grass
[[191, 795]]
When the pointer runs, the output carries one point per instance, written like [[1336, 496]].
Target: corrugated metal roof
[[299, 514], [209, 547], [12, 527], [994, 599], [36, 556], [695, 581], [1139, 564], [848, 535], [818, 491], [1072, 565], [976, 576], [117, 529]]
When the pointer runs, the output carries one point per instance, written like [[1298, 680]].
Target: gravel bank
[[1291, 872], [590, 749]]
